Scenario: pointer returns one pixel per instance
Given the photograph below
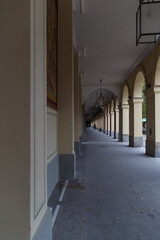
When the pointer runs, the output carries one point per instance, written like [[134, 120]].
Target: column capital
[[152, 90], [125, 106], [117, 109], [135, 100], [156, 88]]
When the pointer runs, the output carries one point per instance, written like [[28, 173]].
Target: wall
[[38, 179], [52, 155], [15, 120]]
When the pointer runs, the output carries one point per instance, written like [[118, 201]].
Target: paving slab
[[115, 196]]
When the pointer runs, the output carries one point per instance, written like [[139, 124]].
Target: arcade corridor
[[115, 195], [67, 65]]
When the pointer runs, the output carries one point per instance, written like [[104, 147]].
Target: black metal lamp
[[100, 98], [147, 22]]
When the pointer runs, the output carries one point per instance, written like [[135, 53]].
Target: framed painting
[[52, 53]]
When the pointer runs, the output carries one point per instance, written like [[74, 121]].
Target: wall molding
[[51, 157]]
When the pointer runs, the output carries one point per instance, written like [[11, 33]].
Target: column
[[120, 122], [76, 106], [135, 122], [106, 124], [112, 123], [116, 129], [125, 123], [109, 124], [67, 163], [80, 129], [153, 120]]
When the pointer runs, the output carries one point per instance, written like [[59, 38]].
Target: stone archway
[[125, 114], [136, 136]]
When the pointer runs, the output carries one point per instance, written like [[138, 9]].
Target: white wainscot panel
[[51, 134]]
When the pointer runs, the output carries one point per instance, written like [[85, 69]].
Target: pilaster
[[66, 91]]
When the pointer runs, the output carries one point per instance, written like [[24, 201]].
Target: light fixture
[[101, 98], [147, 22]]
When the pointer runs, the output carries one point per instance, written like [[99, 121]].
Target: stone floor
[[116, 195]]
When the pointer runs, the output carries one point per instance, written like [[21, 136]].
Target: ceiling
[[107, 31], [91, 98]]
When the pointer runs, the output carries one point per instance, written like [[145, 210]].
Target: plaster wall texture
[[66, 79], [112, 121], [15, 120], [125, 120], [138, 119]]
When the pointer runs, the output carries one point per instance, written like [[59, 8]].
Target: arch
[[157, 73], [136, 106], [114, 90], [97, 90], [138, 84], [125, 95], [156, 67]]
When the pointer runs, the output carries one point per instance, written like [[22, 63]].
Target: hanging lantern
[[100, 98], [147, 22]]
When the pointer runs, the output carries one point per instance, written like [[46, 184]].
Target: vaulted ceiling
[[105, 37]]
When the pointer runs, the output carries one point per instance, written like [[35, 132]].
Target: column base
[[112, 134], [116, 135], [152, 148], [45, 228], [77, 147], [67, 166], [125, 138], [135, 141], [52, 175]]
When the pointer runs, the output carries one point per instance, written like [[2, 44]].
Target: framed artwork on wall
[[52, 53]]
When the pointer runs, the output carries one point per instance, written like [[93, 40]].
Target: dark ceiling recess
[[147, 22]]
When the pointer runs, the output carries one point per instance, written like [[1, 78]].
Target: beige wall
[[65, 84], [15, 120], [38, 195]]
